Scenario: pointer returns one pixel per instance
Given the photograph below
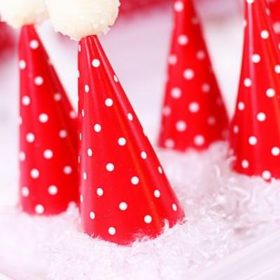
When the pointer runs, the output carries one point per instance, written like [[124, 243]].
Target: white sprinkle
[[270, 93], [39, 209], [261, 117], [22, 156], [194, 107], [148, 219], [277, 69], [26, 100], [245, 164], [160, 170], [235, 129], [109, 102], [34, 44], [73, 115], [144, 155], [199, 140], [35, 173], [123, 206], [130, 117], [264, 34], [57, 97], [172, 59], [250, 1], [30, 137], [22, 64], [157, 193], [110, 167], [166, 111], [241, 106], [53, 190], [206, 87], [188, 74], [62, 133], [38, 81], [48, 154], [116, 79], [266, 175], [174, 207], [183, 40], [275, 151], [89, 152], [135, 180], [97, 128], [95, 63], [179, 6], [112, 230], [181, 126], [200, 55], [99, 191], [43, 118], [256, 58], [25, 191], [169, 143], [67, 170], [176, 92], [122, 141], [92, 215], [247, 82], [253, 140], [87, 89]]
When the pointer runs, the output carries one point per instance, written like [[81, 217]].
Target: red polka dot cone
[[275, 14], [125, 194], [48, 133], [255, 128], [193, 115]]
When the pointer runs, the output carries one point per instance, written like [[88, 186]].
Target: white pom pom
[[81, 18], [21, 12]]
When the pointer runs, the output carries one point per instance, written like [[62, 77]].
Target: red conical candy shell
[[125, 193], [194, 115], [255, 128], [48, 133]]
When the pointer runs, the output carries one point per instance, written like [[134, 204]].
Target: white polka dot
[[89, 152], [166, 111], [241, 106], [183, 40], [169, 143], [87, 89], [30, 137], [112, 230], [206, 87], [22, 156], [92, 215], [235, 129], [123, 206], [250, 1], [85, 176], [109, 102], [181, 126], [43, 118], [256, 58], [277, 69], [188, 74], [73, 115], [174, 207], [39, 209], [270, 92], [172, 59], [157, 193], [211, 120], [67, 170], [122, 141], [25, 191], [97, 128], [194, 107], [135, 180], [83, 113], [264, 34], [200, 55], [52, 190], [57, 96], [247, 82], [95, 63], [176, 92], [179, 6], [26, 100], [160, 170], [148, 219], [261, 117], [199, 140], [48, 154], [81, 198], [99, 191], [275, 151], [38, 81], [266, 175], [110, 167], [22, 64], [34, 173], [116, 79], [34, 44], [63, 133], [130, 117], [253, 140], [144, 155], [245, 164]]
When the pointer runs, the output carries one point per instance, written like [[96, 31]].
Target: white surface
[[225, 212]]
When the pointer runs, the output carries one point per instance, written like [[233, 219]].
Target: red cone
[[194, 114], [255, 129], [125, 193], [275, 14], [48, 133]]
